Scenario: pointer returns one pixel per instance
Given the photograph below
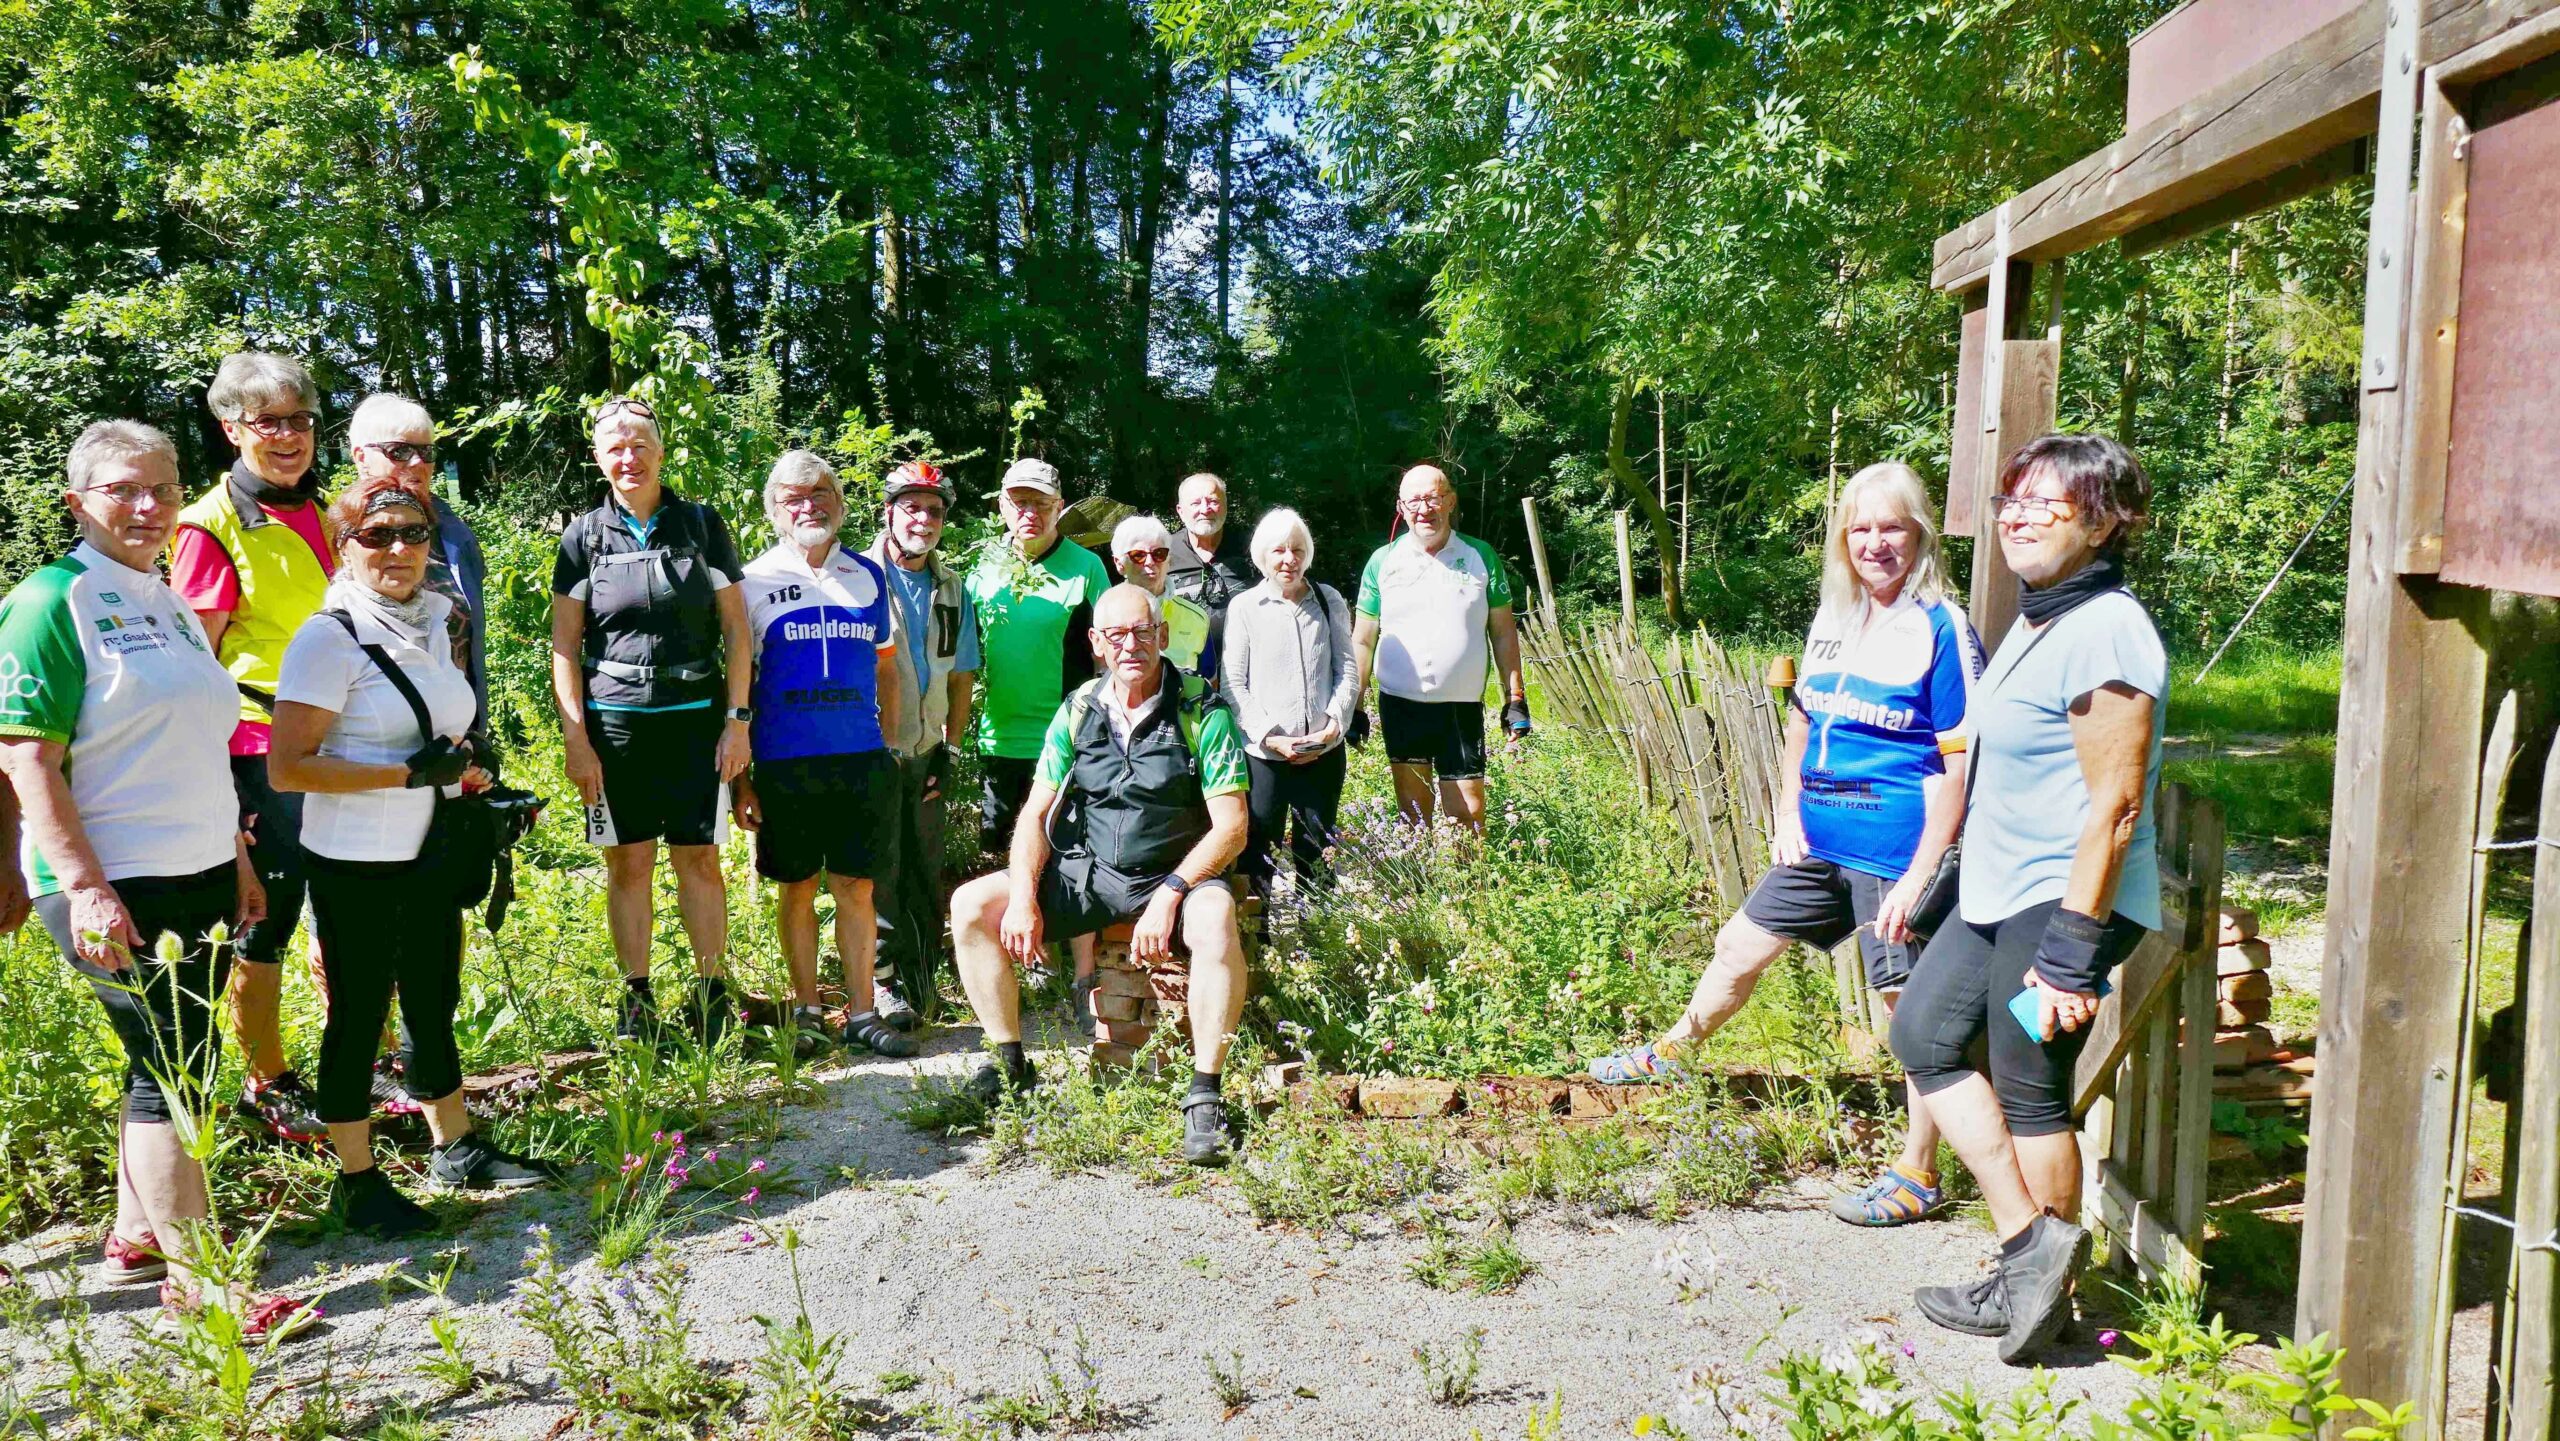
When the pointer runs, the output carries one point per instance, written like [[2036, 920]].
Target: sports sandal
[[1892, 1199], [283, 1108], [1642, 1066], [874, 1035], [262, 1318]]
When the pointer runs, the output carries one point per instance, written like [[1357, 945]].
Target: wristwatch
[[1176, 884], [742, 714]]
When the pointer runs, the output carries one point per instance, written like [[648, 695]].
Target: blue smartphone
[[2030, 1012]]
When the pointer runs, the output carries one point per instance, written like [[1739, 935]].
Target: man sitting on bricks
[[1136, 810]]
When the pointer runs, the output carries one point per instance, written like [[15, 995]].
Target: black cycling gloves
[[440, 762], [1515, 716], [2067, 958]]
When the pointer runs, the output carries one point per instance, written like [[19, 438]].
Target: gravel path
[[932, 1268]]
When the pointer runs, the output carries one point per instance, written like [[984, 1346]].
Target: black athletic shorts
[[661, 774], [1004, 783], [826, 813], [1079, 895], [273, 819], [1446, 735], [1819, 903]]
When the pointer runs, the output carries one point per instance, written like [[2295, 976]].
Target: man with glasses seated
[[1135, 812], [250, 559], [1429, 602], [1142, 548]]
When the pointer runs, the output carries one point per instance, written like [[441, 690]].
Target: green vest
[[1138, 809], [281, 586]]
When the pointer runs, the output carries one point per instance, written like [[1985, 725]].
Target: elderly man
[[1211, 563], [824, 784], [1141, 547], [250, 559], [1144, 765], [1429, 600], [937, 631]]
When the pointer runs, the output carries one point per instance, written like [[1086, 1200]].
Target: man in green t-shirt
[[1034, 605], [1141, 777]]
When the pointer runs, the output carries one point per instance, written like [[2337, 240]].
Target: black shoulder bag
[[466, 834]]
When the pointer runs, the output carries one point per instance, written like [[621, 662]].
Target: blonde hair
[[1900, 489]]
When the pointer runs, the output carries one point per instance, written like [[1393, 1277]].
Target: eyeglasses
[[1150, 553], [275, 426], [1127, 637], [401, 452], [921, 509], [814, 500], [127, 493], [2031, 509], [383, 537], [1423, 504]]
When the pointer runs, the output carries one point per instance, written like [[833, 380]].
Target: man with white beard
[[1211, 564], [822, 792]]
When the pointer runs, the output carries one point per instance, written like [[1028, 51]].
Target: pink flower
[[711, 1156], [2108, 1339], [658, 1136], [678, 1138], [756, 1167], [747, 1237], [752, 1193]]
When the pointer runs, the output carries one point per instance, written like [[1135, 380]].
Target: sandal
[[262, 1318], [1642, 1066], [1892, 1199]]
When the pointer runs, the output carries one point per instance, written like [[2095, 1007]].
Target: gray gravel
[[932, 1267]]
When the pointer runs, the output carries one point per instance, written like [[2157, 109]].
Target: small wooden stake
[[1626, 576], [1538, 557]]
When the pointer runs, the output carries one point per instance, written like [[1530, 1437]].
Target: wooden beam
[[1538, 556], [2314, 96], [2444, 192], [2534, 1275], [2030, 373], [2329, 167], [2204, 851]]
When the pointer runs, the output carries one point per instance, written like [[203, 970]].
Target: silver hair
[[251, 380], [796, 467], [109, 441], [1208, 475], [1129, 534], [383, 415], [1279, 524], [607, 414], [1155, 607]]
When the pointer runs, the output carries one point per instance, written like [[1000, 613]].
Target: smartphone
[[2030, 1011]]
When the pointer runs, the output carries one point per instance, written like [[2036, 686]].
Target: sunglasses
[[383, 537], [626, 405], [401, 452], [272, 426], [1153, 552]]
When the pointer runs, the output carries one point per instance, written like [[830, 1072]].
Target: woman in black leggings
[[2060, 878], [348, 735]]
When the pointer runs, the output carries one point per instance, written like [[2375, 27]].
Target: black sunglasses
[[627, 404], [401, 452], [383, 537]]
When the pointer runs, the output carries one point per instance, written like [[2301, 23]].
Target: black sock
[[1205, 1083], [715, 985], [1010, 1052], [2016, 1245], [639, 984]]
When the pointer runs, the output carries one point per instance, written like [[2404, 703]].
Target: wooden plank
[[2333, 166], [2204, 43], [2533, 1347], [2435, 292], [2157, 1250], [1964, 429], [2204, 850], [1626, 577], [1538, 556], [2386, 289], [2307, 99], [2029, 387]]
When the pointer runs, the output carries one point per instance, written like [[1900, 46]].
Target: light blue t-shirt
[[2030, 801], [914, 592], [1884, 702]]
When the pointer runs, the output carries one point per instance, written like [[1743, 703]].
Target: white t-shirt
[[107, 662], [325, 668], [1431, 608]]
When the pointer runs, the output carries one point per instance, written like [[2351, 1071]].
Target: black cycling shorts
[[661, 773], [1819, 903], [1446, 735], [1080, 895], [1004, 783], [826, 813]]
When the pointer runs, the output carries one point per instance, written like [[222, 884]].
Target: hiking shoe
[[283, 1108], [809, 1031], [1080, 1002], [390, 1097], [475, 1163], [129, 1264], [368, 1204], [873, 1034], [2040, 1281], [1205, 1140], [711, 1013], [1981, 1309], [991, 1083], [639, 1019], [895, 1013]]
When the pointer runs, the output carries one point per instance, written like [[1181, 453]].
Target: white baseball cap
[[1029, 474]]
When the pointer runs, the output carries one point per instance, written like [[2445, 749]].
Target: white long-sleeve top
[[1288, 667]]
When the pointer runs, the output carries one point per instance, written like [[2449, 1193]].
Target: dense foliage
[[1303, 241]]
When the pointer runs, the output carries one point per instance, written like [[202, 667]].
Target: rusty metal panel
[[2203, 43], [2502, 500], [1964, 450]]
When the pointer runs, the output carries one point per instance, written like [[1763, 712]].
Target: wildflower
[[2108, 1339], [538, 1229], [752, 1193], [658, 1137], [756, 1166], [711, 1157], [747, 1238], [1876, 1401], [1909, 1350]]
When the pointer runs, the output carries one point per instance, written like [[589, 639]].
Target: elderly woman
[[1293, 679], [250, 559], [114, 719], [2060, 879], [371, 713], [822, 794], [1142, 550], [1872, 798], [644, 607]]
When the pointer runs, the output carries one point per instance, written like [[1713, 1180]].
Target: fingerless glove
[[440, 762], [1515, 717], [2067, 958]]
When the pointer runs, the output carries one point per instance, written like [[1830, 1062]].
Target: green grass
[[2256, 691], [2281, 798]]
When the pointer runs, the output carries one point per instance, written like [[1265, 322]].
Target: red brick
[[1332, 1093], [1590, 1099], [1108, 1007], [1519, 1095], [1404, 1098]]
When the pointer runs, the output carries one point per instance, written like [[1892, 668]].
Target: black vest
[[1136, 808]]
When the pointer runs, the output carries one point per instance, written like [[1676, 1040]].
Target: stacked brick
[[2249, 1065], [1130, 1000]]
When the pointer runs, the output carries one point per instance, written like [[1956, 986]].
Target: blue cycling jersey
[[818, 637], [1886, 703]]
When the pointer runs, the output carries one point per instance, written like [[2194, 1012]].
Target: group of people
[[297, 711], [1900, 743]]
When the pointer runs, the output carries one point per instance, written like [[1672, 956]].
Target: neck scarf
[[2042, 605], [267, 492], [408, 619]]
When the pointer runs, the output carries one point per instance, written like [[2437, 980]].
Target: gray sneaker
[[1080, 1002], [1981, 1309], [474, 1163], [2039, 1284], [1205, 1141], [894, 1010]]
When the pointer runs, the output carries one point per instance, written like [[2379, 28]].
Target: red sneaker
[[132, 1265]]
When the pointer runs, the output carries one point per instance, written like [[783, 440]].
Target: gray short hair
[[608, 413], [797, 467], [385, 414], [251, 380], [1282, 524], [1210, 476], [1129, 534], [109, 441]]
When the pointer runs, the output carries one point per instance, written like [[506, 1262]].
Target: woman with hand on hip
[[2061, 876], [349, 737], [1873, 797], [115, 722]]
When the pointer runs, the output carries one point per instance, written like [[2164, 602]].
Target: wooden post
[[1538, 557], [2203, 868], [2534, 1275], [1626, 576], [2409, 723], [2018, 403]]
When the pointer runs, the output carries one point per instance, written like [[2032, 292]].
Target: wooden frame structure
[[2350, 91]]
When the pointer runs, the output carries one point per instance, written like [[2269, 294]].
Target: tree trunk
[[1226, 203], [1622, 474], [2129, 391]]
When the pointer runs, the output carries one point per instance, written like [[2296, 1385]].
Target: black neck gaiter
[[2041, 605], [267, 492]]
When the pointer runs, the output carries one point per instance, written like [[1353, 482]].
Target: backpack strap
[[392, 672]]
